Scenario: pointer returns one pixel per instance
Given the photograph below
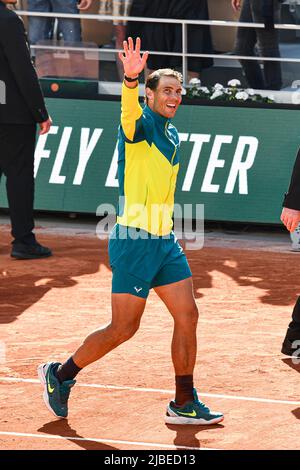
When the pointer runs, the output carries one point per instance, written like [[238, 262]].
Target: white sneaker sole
[[185, 420], [42, 371]]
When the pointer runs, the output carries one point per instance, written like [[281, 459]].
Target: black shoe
[[23, 251], [289, 348]]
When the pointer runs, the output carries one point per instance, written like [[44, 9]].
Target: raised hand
[[131, 58]]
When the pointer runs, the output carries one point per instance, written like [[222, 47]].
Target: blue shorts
[[140, 262]]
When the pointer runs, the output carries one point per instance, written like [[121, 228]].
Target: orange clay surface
[[47, 307]]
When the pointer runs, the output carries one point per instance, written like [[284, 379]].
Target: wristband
[[131, 80]]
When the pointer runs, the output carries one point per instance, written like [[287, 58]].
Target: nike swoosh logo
[[193, 414], [50, 389], [138, 289]]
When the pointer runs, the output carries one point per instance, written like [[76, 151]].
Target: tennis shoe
[[193, 412], [295, 237], [55, 394]]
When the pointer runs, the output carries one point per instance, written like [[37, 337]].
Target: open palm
[[131, 58]]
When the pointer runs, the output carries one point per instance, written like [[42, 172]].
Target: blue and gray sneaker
[[55, 394], [193, 412]]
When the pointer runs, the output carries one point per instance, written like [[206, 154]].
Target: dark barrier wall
[[236, 161]]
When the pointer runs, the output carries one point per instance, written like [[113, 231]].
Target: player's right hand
[[131, 58]]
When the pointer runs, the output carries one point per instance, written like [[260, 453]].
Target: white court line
[[158, 390], [101, 441]]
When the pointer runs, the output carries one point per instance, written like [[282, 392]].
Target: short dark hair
[[154, 77]]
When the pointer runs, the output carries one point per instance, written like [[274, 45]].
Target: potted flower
[[231, 93]]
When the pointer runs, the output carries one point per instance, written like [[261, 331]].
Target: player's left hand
[[290, 218]]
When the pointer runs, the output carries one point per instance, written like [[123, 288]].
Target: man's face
[[166, 98]]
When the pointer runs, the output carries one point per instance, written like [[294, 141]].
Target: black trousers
[[267, 42], [17, 144], [293, 332], [168, 37]]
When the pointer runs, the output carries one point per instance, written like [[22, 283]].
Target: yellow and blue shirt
[[148, 164]]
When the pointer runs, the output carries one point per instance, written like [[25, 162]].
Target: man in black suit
[[290, 216], [21, 107]]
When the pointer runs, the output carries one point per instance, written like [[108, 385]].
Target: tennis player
[[144, 252]]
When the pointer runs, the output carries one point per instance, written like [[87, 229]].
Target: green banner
[[236, 161]]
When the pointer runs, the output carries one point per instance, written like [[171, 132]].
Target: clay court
[[245, 288]]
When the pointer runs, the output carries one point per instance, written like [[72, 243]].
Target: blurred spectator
[[265, 40], [117, 8], [42, 28], [168, 37]]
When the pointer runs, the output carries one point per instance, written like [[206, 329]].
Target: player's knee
[[194, 315], [129, 332], [188, 318], [126, 331]]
